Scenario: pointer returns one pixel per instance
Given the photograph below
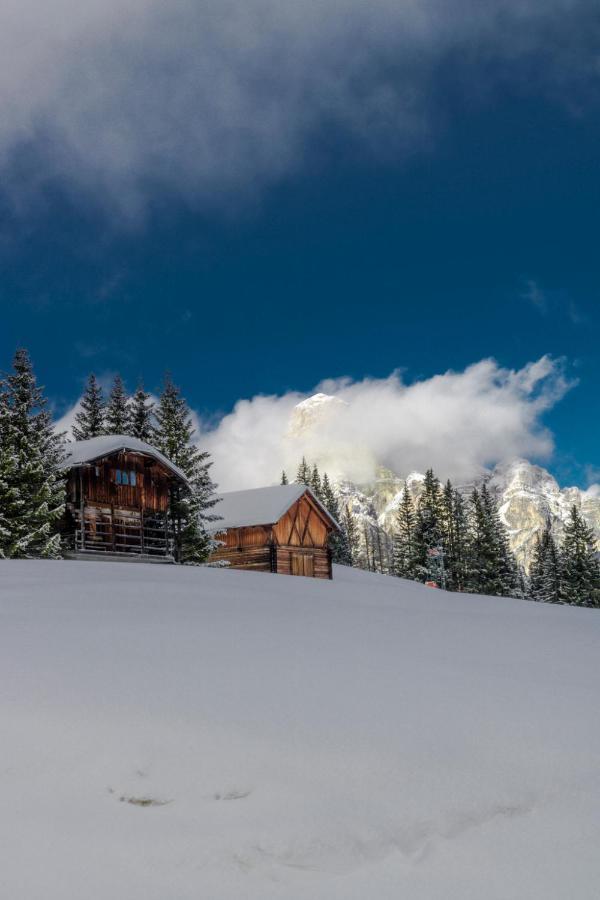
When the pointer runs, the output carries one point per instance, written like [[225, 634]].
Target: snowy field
[[199, 734]]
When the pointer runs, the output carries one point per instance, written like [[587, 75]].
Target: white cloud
[[213, 99], [456, 422]]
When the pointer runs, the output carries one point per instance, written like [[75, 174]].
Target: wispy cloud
[[552, 302], [123, 100], [535, 295]]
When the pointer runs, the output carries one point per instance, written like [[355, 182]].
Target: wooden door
[[303, 564]]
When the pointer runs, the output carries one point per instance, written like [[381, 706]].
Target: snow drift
[[184, 733]]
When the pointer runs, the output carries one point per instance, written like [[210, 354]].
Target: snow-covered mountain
[[527, 494]]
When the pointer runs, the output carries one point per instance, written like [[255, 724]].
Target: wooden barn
[[118, 491], [283, 529]]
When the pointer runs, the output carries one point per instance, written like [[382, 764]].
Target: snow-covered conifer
[[303, 474], [315, 482], [89, 421], [580, 581], [545, 573], [140, 415], [117, 413], [31, 482], [190, 509], [284, 478], [405, 561], [339, 543], [348, 523]]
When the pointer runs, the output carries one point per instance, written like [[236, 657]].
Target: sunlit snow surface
[[198, 734]]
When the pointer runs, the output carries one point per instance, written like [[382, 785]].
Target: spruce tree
[[429, 533], [31, 481], [284, 478], [580, 576], [479, 569], [456, 568], [117, 414], [405, 559], [490, 565], [190, 508], [339, 543], [89, 421], [140, 415], [9, 499], [506, 567], [350, 528], [447, 522], [303, 474], [315, 482], [544, 574]]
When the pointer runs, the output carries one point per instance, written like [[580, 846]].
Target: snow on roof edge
[[81, 452], [261, 506]]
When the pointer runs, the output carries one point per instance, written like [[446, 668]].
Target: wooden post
[[81, 511]]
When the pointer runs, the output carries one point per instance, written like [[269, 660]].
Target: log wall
[[151, 491]]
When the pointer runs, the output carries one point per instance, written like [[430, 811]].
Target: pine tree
[[339, 543], [284, 478], [505, 563], [448, 524], [190, 508], [580, 577], [545, 572], [429, 527], [405, 559], [31, 481], [480, 555], [303, 474], [140, 415], [315, 482], [490, 565], [9, 500], [350, 528], [117, 414], [89, 421]]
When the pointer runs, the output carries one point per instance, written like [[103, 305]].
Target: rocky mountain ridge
[[527, 494]]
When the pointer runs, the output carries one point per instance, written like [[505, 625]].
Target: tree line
[[461, 544], [32, 479]]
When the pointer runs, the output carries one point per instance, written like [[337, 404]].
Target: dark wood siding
[[100, 487], [105, 516]]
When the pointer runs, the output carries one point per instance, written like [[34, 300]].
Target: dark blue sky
[[482, 242]]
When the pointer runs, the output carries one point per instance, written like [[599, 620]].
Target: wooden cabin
[[283, 529], [118, 492]]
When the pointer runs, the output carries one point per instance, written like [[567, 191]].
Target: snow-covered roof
[[81, 452], [261, 506]]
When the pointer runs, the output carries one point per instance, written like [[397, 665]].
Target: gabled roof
[[81, 452], [262, 506]]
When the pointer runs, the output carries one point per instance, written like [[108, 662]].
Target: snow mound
[[182, 733]]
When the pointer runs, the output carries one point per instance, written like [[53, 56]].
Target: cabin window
[[124, 477], [97, 471]]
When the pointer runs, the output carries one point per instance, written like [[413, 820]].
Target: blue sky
[[461, 227]]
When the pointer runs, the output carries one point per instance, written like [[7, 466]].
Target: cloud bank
[[457, 422], [213, 99]]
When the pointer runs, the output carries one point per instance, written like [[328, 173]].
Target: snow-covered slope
[[183, 733]]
